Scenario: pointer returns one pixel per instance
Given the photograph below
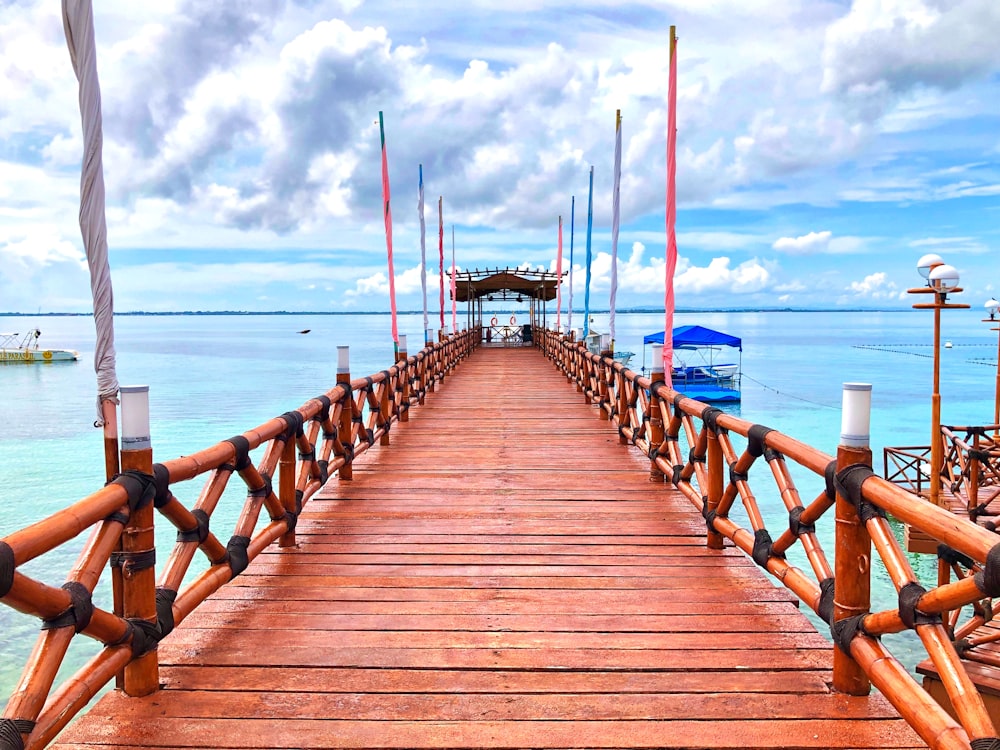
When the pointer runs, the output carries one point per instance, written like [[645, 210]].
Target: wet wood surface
[[502, 575]]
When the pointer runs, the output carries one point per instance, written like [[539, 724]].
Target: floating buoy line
[[788, 395]]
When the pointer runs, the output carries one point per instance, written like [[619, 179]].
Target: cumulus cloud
[[875, 287], [814, 242], [886, 48]]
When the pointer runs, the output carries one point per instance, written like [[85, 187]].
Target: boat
[[18, 349], [696, 372]]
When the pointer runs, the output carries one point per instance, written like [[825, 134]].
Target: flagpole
[[454, 301], [671, 216], [559, 281], [590, 229], [572, 225], [441, 253], [388, 233], [423, 249], [615, 218]]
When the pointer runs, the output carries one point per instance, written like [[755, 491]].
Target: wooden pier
[[506, 575]]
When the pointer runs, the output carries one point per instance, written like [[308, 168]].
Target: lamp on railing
[[942, 280], [992, 306]]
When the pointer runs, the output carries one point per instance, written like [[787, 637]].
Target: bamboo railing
[[714, 477], [302, 449]]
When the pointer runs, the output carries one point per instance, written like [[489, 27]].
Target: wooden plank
[[504, 575]]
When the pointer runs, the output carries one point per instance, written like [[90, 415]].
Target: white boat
[[18, 349]]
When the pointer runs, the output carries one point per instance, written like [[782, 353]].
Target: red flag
[[671, 264], [388, 233]]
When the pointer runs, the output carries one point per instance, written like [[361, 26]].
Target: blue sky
[[823, 147]]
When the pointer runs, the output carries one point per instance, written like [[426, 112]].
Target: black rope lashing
[[357, 419], [676, 478], [985, 743], [349, 452], [299, 495], [265, 489], [952, 556], [830, 475], [133, 562], [370, 435], [826, 591], [291, 519], [11, 731], [988, 579], [711, 419], [324, 470], [755, 439], [293, 420], [227, 467], [979, 455], [795, 524], [324, 412], [844, 631], [708, 515], [145, 636], [654, 452], [238, 556], [79, 612], [694, 458], [309, 455], [119, 516], [200, 531], [770, 454], [7, 567], [139, 486], [737, 476], [330, 434], [909, 595], [161, 477], [849, 482], [763, 548], [242, 448], [165, 610]]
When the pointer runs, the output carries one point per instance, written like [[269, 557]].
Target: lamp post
[[942, 280], [991, 309]]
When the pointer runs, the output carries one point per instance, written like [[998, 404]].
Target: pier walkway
[[503, 575]]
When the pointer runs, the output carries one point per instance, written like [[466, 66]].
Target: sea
[[212, 376]]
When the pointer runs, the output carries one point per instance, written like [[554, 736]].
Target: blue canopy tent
[[707, 380]]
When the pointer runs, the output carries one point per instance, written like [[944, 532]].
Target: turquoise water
[[212, 377]]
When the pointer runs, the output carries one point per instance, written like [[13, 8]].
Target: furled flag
[[454, 301], [388, 233], [423, 247], [590, 229], [615, 218], [441, 253], [572, 225], [671, 264], [559, 281]]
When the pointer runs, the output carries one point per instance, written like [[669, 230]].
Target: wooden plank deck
[[504, 575]]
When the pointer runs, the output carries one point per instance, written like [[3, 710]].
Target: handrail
[[329, 431], [714, 476]]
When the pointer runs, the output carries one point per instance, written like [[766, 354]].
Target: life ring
[[513, 320], [493, 320]]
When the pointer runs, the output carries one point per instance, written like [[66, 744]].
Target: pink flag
[[559, 280], [441, 253], [671, 265], [454, 301], [388, 233]]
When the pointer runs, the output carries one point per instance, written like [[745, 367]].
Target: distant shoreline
[[629, 311]]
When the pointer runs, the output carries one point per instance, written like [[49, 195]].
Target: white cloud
[[876, 286], [807, 244]]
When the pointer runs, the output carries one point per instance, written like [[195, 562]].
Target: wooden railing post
[[654, 417], [138, 543], [432, 359], [286, 487], [714, 467], [401, 360], [852, 592], [344, 429]]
